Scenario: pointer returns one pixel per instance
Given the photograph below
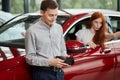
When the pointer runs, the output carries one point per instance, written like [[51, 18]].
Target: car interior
[[80, 25]]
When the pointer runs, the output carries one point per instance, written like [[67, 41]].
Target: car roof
[[90, 11], [71, 12], [60, 12]]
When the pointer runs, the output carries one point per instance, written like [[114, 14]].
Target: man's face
[[49, 16]]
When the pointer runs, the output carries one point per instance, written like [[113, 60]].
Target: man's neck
[[43, 20]]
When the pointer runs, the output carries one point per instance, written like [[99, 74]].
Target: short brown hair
[[52, 4]]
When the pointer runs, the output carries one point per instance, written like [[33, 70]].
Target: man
[[44, 41]]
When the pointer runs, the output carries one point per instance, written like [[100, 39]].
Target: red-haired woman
[[96, 32]]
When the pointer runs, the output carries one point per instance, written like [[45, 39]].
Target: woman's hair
[[99, 37], [51, 4]]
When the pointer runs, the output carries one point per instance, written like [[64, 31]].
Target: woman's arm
[[78, 39], [112, 36], [117, 34], [91, 43], [109, 36]]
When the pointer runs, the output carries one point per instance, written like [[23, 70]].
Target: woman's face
[[97, 23]]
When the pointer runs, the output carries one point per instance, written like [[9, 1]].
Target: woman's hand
[[117, 34], [92, 44]]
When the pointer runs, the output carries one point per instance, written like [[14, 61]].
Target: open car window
[[115, 21], [79, 25], [111, 23]]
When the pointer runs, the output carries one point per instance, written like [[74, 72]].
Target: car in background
[[5, 16], [90, 64]]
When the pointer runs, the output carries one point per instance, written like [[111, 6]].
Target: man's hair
[[51, 4]]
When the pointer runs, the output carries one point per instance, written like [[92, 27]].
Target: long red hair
[[99, 37]]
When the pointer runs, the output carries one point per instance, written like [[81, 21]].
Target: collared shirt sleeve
[[31, 57]]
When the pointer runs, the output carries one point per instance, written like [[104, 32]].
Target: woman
[[96, 32]]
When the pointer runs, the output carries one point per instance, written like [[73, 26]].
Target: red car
[[90, 64]]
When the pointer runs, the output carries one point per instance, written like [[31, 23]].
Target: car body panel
[[100, 64], [117, 51], [14, 69]]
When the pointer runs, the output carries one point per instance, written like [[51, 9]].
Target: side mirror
[[74, 46]]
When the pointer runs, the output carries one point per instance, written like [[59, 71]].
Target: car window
[[62, 19], [115, 21], [14, 29], [115, 24], [112, 25], [79, 25], [13, 32]]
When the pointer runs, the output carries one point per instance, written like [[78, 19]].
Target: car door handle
[[108, 50]]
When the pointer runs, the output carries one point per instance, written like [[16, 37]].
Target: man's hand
[[56, 62]]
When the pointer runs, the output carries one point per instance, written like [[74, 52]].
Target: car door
[[116, 46], [115, 21], [91, 64]]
